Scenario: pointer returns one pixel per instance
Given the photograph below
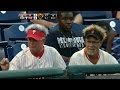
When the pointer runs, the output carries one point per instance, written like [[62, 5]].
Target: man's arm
[[111, 36], [4, 64], [78, 19], [118, 15], [66, 59], [44, 22]]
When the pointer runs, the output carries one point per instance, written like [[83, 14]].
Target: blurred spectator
[[107, 43], [65, 40], [112, 42], [48, 24]]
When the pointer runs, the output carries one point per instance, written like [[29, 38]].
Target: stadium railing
[[81, 71], [47, 73]]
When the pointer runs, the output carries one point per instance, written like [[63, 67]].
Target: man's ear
[[101, 42], [44, 40]]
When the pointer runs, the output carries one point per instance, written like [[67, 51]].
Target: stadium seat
[[15, 32], [15, 49], [96, 14], [81, 71], [116, 25], [2, 53], [9, 16], [3, 45], [90, 17]]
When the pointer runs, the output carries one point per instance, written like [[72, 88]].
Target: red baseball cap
[[35, 34]]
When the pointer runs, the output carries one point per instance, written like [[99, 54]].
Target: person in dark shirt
[[49, 23], [107, 44], [64, 37]]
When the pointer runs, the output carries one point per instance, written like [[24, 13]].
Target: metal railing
[[81, 71], [32, 73]]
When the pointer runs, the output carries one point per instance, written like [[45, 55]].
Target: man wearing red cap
[[37, 55], [92, 54]]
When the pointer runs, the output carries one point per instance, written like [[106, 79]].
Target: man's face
[[65, 20], [92, 45], [35, 46]]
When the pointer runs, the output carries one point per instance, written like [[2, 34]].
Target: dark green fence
[[80, 71], [71, 72], [32, 73]]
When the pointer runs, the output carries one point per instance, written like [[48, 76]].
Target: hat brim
[[93, 35], [34, 37]]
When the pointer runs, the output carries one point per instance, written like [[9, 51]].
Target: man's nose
[[68, 21], [91, 44]]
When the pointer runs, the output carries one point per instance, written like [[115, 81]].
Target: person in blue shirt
[[112, 43], [107, 44]]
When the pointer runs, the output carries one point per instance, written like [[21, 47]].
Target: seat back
[[15, 32], [3, 45], [13, 50], [96, 14], [91, 17], [116, 24], [9, 16], [2, 53]]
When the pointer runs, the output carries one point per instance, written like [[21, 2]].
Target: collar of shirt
[[39, 55]]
